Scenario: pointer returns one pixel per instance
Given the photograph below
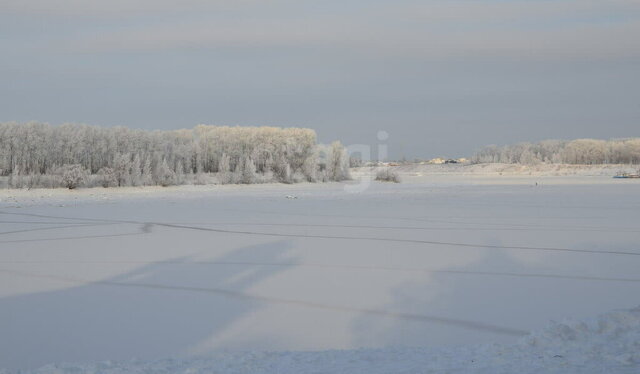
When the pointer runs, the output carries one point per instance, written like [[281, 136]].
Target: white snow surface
[[609, 344], [445, 272]]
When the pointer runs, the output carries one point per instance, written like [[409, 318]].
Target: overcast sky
[[442, 77]]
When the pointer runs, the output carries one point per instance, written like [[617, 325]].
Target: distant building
[[436, 161], [440, 160]]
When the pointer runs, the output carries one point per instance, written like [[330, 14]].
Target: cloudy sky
[[442, 77]]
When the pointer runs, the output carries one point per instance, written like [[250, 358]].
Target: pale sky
[[442, 77]]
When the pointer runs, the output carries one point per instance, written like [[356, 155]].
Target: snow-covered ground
[[322, 279], [608, 344]]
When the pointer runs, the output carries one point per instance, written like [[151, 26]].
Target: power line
[[341, 237]]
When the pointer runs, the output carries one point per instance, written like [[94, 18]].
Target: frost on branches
[[34, 155], [580, 151]]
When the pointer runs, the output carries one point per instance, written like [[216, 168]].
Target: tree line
[[579, 151], [37, 154]]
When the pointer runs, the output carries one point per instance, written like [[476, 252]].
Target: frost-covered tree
[[179, 174], [282, 169], [527, 157], [135, 176], [165, 176], [73, 176], [310, 168], [224, 170], [248, 171], [579, 151], [136, 156], [338, 162], [146, 178], [122, 169]]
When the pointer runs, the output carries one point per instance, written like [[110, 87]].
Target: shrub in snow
[[267, 177], [32, 180], [200, 179], [387, 175], [73, 176], [299, 177], [107, 178]]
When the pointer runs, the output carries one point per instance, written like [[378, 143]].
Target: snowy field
[[445, 272]]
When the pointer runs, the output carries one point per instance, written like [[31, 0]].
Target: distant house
[[436, 161], [440, 160]]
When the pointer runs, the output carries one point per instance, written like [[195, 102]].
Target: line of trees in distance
[[579, 151], [37, 154]]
